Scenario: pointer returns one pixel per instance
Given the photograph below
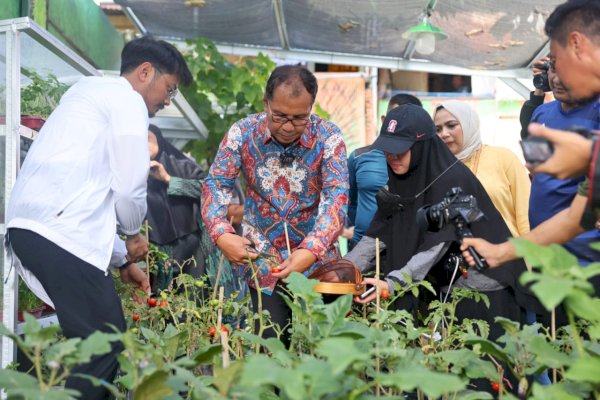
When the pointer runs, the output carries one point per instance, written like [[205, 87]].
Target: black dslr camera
[[540, 81], [457, 208]]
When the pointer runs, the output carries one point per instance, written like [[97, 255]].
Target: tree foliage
[[223, 91]]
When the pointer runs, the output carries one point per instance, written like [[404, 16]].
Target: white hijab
[[469, 121]]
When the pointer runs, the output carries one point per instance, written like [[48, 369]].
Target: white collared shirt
[[86, 171]]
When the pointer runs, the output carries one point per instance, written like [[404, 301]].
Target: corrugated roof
[[484, 35]]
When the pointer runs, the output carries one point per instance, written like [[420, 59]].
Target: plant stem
[[259, 297], [576, 334]]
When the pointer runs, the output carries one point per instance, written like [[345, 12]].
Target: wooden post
[[377, 290], [287, 238], [148, 253]]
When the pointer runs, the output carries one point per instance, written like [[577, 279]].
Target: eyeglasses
[[282, 119], [171, 92]]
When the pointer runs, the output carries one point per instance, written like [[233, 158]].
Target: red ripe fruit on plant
[[385, 293], [275, 270], [495, 386], [163, 303], [135, 317], [465, 274], [151, 301], [224, 329], [212, 330]]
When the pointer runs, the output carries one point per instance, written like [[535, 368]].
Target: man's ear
[[576, 43], [145, 72]]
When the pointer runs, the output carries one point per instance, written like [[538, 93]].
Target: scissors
[[252, 246]]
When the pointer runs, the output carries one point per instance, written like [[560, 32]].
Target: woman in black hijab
[[174, 187], [421, 172]]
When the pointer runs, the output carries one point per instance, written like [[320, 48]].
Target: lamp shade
[[424, 34]]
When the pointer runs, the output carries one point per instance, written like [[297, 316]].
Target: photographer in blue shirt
[[550, 195]]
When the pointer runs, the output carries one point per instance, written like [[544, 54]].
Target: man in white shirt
[[85, 174]]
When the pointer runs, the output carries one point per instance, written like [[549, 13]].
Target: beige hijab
[[469, 121]]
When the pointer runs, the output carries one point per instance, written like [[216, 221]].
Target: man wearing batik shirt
[[294, 166]]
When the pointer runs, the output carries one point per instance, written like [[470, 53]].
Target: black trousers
[[84, 298], [281, 314]]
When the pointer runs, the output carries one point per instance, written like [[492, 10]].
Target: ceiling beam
[[281, 26], [365, 61], [517, 86], [135, 20]]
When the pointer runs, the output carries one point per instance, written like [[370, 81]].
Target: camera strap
[[438, 177]]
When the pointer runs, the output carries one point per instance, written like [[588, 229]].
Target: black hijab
[[171, 217], [432, 173]]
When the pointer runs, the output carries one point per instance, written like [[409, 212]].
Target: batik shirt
[[304, 186]]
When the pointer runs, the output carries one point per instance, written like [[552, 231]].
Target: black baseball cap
[[402, 127]]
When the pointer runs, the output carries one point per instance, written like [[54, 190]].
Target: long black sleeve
[[527, 111]]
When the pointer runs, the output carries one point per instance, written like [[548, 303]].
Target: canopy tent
[[498, 38]]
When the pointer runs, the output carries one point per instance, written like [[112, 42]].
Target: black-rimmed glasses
[[282, 119], [171, 92]]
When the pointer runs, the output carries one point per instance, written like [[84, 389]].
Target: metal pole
[[12, 151]]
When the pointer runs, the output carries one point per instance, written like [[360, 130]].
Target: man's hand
[[572, 153], [494, 254], [158, 172], [300, 260], [383, 285], [236, 248], [348, 233], [137, 247], [235, 213], [133, 275]]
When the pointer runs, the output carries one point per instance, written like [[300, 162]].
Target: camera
[[536, 149], [540, 81], [460, 210]]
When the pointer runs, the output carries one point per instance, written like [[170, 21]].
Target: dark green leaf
[[584, 306], [206, 354], [546, 354], [585, 370], [226, 377], [340, 353], [433, 384], [298, 284], [489, 347], [95, 344], [153, 387], [10, 379]]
